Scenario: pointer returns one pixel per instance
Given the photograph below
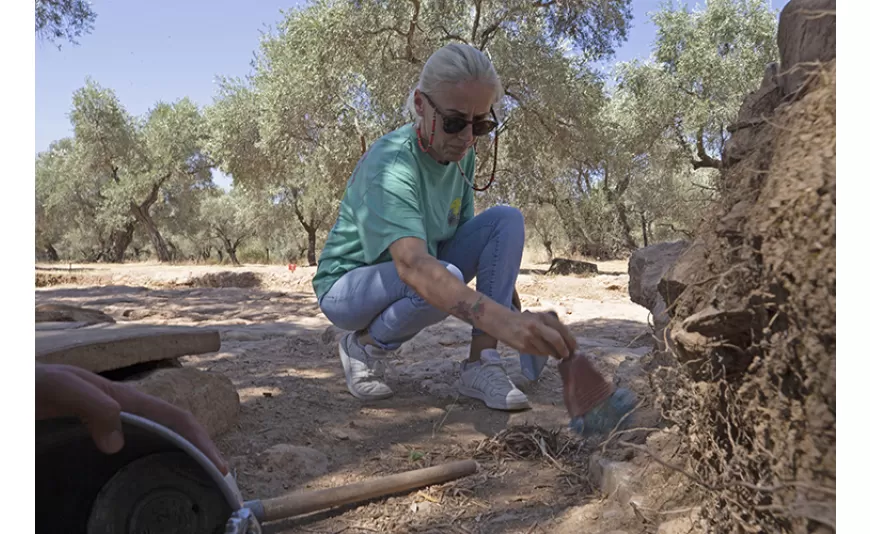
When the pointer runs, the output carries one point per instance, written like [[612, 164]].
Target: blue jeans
[[489, 246]]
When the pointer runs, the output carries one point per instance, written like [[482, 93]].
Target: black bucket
[[158, 482]]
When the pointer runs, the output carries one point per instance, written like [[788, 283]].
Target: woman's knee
[[454, 270], [421, 303], [343, 316], [508, 218]]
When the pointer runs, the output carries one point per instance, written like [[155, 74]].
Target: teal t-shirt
[[395, 191]]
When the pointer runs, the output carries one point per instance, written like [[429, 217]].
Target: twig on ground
[[440, 424], [623, 418]]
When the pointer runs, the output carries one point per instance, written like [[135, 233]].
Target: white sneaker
[[363, 368], [488, 381]]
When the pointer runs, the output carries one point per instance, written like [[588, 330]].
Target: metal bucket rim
[[228, 488]]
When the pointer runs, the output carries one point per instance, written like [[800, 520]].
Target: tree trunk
[[231, 252], [312, 243], [220, 255], [622, 214], [51, 252], [548, 245], [567, 212], [230, 247], [643, 225], [173, 251], [143, 216], [120, 240], [312, 234], [267, 256]]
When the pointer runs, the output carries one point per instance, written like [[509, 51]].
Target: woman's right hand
[[541, 334]]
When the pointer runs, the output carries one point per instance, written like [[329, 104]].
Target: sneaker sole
[[345, 365], [475, 394]]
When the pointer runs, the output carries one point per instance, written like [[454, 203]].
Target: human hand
[[65, 390], [541, 334]]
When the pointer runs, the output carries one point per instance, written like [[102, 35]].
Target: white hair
[[453, 64]]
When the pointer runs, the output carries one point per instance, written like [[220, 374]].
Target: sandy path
[[277, 350]]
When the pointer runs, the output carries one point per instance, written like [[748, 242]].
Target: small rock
[[682, 525], [614, 478], [422, 507], [136, 314]]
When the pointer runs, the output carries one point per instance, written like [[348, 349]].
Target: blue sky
[[162, 50]]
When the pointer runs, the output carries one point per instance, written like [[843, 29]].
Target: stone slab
[[59, 325], [105, 347]]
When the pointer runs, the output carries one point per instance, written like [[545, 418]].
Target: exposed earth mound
[[752, 303]]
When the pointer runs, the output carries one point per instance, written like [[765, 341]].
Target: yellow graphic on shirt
[[455, 208]]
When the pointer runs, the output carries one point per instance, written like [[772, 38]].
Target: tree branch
[[298, 212], [152, 196], [678, 129], [385, 30], [704, 161], [476, 25], [490, 30], [537, 113], [686, 233], [412, 28], [452, 36]]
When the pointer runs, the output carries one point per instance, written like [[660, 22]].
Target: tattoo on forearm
[[471, 314]]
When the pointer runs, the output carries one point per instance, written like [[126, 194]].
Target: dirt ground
[[299, 427]]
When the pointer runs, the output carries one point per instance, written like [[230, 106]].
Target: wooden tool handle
[[299, 503]]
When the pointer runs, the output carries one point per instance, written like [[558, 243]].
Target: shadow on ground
[[292, 391]]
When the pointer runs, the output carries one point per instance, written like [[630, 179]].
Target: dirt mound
[[56, 279], [245, 279], [53, 312], [752, 383]]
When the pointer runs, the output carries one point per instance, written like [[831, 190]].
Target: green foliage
[[126, 165], [598, 170], [705, 63], [63, 19], [334, 76]]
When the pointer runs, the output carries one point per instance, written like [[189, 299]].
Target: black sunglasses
[[452, 124]]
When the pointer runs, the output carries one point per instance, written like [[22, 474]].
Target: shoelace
[[492, 379], [372, 367]]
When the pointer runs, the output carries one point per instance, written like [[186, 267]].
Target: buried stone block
[[210, 397], [614, 478]]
